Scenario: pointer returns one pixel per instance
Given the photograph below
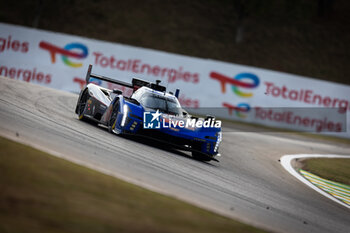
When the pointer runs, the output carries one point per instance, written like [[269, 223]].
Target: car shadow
[[163, 145], [153, 142]]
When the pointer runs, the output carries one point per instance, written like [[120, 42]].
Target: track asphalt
[[248, 183]]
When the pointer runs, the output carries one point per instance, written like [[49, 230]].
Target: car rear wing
[[135, 83], [100, 77]]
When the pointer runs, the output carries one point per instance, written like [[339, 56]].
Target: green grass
[[332, 169], [280, 35], [42, 193]]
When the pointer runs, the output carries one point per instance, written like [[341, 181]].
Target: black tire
[[111, 125], [113, 119], [81, 105]]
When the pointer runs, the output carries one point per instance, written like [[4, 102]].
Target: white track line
[[286, 163]]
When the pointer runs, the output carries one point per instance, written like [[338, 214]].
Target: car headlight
[[125, 114], [219, 138]]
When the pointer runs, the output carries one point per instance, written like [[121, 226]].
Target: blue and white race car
[[151, 112]]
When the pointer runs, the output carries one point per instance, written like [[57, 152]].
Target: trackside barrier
[[228, 90]]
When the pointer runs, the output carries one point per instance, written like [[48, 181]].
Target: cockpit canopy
[[153, 100]]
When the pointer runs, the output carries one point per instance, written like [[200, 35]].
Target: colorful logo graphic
[[72, 50], [237, 82], [239, 110]]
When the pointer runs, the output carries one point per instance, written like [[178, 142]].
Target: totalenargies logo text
[[156, 120]]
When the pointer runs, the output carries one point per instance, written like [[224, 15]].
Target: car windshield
[[163, 103]]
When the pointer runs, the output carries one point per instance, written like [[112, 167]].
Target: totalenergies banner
[[224, 89]]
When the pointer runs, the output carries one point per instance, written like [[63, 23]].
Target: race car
[[150, 112]]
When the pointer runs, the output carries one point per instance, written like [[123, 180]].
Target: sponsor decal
[[305, 119], [188, 102], [27, 75], [156, 121], [237, 82], [239, 110], [307, 96], [66, 52], [138, 66], [8, 44], [79, 81]]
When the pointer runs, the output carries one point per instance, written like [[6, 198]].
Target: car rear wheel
[[113, 119], [81, 105], [111, 125]]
